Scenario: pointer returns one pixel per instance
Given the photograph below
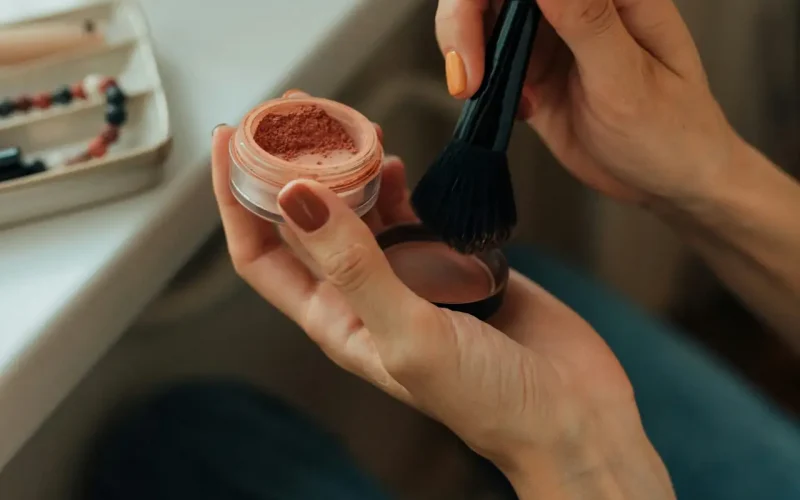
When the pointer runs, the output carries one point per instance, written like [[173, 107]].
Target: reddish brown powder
[[305, 130]]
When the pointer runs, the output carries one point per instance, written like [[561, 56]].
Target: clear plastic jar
[[257, 176]]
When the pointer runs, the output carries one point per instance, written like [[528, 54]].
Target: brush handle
[[487, 118]]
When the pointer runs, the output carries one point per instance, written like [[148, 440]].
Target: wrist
[[746, 196], [713, 201], [609, 460]]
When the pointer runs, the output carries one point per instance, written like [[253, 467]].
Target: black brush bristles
[[466, 196], [467, 199]]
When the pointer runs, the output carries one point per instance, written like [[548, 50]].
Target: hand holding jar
[[536, 390]]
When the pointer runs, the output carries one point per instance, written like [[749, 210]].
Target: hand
[[539, 383], [616, 90]]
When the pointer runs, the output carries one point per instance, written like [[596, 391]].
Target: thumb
[[594, 32], [349, 258]]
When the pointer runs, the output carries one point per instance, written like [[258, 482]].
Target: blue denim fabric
[[220, 440], [718, 437]]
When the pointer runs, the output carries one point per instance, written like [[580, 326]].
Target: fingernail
[[389, 159], [303, 207], [215, 129], [456, 73], [291, 92]]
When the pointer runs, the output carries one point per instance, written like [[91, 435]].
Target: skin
[[617, 91], [538, 385]]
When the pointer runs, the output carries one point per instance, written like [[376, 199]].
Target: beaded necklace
[[93, 87]]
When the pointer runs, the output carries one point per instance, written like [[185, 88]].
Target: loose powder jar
[[309, 138], [474, 284]]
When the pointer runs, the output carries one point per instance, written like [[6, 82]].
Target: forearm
[[615, 462], [748, 231]]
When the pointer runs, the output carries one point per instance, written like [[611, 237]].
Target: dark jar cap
[[493, 260]]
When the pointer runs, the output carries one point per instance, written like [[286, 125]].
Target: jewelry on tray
[[92, 87]]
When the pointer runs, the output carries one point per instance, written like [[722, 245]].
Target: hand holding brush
[[466, 197]]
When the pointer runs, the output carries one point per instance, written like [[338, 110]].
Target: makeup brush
[[466, 196]]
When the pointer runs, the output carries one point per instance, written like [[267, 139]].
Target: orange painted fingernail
[[456, 73]]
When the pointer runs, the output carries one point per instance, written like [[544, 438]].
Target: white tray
[[132, 164]]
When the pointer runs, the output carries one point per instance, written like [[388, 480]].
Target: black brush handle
[[487, 118]]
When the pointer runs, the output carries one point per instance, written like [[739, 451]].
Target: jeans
[[719, 439]]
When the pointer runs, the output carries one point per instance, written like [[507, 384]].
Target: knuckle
[[348, 269], [415, 356], [457, 11], [599, 14], [627, 100]]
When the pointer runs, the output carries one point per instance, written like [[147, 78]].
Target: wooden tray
[[132, 164]]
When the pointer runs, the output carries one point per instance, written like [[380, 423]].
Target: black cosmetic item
[[466, 196], [493, 260], [12, 166], [10, 158]]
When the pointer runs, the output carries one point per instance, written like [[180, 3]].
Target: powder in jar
[[305, 130]]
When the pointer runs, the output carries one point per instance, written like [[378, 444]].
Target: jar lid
[[473, 284]]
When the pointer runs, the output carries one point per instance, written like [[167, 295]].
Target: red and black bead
[[116, 115], [77, 91], [62, 95], [106, 83], [23, 103], [110, 134], [115, 95], [11, 164], [42, 101], [97, 148]]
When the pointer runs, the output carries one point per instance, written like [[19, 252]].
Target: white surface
[[70, 286]]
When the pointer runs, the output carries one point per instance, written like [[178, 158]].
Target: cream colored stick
[[28, 42]]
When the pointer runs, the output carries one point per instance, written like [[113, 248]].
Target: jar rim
[[342, 175]]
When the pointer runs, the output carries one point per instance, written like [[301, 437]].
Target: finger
[[298, 250], [295, 94], [373, 221], [546, 83], [459, 31], [248, 235], [349, 258], [379, 130], [254, 244], [545, 50], [393, 203], [604, 50], [659, 28]]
